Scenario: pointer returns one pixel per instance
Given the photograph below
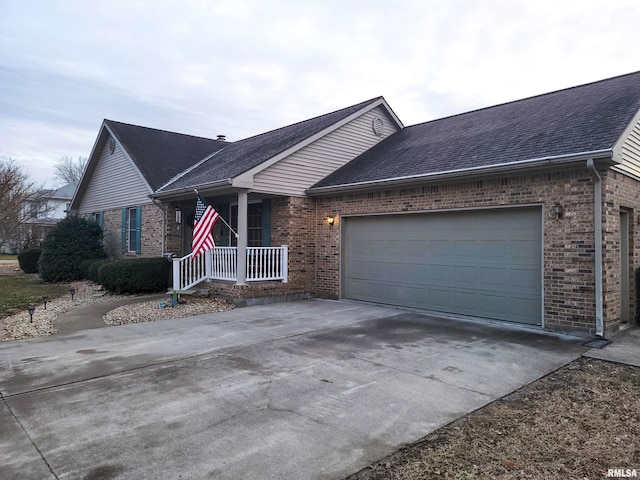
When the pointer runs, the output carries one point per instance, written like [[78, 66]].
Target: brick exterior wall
[[151, 235], [620, 193], [569, 253], [568, 242]]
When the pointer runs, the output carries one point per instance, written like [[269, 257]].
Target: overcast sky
[[243, 67]]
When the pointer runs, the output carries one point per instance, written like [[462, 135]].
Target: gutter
[[463, 172], [597, 212]]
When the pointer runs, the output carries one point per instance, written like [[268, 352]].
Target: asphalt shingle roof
[[580, 119], [161, 155], [240, 156]]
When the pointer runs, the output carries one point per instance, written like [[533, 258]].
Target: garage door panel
[[484, 263], [524, 279], [493, 277], [464, 276]]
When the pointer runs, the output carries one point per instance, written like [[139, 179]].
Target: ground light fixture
[[45, 299], [72, 291], [31, 309]]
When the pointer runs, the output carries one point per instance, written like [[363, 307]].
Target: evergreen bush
[[28, 260], [93, 267], [72, 241], [135, 275]]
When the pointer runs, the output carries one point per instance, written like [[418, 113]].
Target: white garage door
[[483, 263]]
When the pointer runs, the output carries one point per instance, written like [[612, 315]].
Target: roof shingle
[[161, 155], [240, 156], [580, 119]]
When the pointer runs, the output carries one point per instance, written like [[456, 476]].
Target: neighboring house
[[43, 210], [525, 212]]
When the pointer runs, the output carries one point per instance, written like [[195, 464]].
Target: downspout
[[597, 209]]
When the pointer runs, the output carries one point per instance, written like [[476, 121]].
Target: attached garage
[[481, 263]]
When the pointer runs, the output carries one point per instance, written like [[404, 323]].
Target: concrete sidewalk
[[91, 316], [624, 348], [315, 389]]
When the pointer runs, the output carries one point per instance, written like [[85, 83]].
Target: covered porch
[[241, 259], [258, 264]]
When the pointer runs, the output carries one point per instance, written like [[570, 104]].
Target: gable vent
[[378, 126]]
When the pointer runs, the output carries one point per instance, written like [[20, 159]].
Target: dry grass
[[18, 290], [573, 424]]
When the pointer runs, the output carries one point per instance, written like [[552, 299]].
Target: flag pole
[[221, 218]]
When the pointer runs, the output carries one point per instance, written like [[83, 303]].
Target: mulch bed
[[576, 423]]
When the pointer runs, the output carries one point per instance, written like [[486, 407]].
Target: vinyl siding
[[631, 153], [115, 182], [299, 171]]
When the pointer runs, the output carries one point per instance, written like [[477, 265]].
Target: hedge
[[135, 275], [28, 260], [89, 268]]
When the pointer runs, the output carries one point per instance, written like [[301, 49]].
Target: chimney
[[222, 138]]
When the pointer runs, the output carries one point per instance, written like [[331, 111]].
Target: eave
[[602, 157]]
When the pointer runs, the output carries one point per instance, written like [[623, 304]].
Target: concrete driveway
[[315, 389]]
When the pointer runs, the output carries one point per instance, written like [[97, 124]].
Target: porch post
[[241, 278]]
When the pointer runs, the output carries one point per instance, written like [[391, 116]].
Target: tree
[[20, 200], [72, 241], [69, 170]]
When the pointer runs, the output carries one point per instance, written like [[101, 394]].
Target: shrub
[[72, 241], [135, 275], [93, 268], [29, 260]]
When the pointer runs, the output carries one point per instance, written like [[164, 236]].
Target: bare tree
[[69, 170], [22, 202]]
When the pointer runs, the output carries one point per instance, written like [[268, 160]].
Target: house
[[523, 212], [41, 211]]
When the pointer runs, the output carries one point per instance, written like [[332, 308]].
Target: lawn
[[6, 256], [19, 290], [576, 423]]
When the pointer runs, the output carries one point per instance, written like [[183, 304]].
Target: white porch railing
[[221, 263]]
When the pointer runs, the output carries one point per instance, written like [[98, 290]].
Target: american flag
[[204, 220]]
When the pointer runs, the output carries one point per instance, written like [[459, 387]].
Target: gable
[[243, 159], [629, 150], [114, 182], [296, 173]]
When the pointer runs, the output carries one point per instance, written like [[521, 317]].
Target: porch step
[[191, 291]]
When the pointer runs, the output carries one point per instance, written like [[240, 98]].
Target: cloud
[[242, 67]]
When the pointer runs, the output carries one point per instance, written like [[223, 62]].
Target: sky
[[244, 67]]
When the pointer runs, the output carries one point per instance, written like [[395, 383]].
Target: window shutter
[[100, 219], [124, 231], [266, 222], [139, 230]]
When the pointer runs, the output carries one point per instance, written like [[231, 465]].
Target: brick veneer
[[620, 193], [569, 245], [569, 253], [152, 224]]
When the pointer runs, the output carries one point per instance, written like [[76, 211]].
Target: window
[[254, 224], [131, 230]]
